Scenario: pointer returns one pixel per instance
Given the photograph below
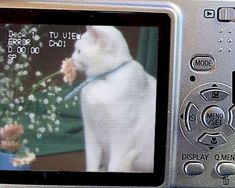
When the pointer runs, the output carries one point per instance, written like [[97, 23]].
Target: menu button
[[202, 63], [214, 117]]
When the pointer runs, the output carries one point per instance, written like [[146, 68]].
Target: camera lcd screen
[[83, 97]]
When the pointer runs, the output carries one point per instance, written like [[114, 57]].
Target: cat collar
[[77, 89]]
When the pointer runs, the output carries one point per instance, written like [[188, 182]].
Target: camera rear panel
[[206, 134], [200, 141]]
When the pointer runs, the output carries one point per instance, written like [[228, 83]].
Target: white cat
[[118, 109]]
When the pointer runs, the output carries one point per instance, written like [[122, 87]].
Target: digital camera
[[187, 47]]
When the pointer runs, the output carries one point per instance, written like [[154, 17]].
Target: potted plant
[[10, 136]]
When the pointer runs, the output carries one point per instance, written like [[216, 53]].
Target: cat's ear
[[100, 38], [92, 33]]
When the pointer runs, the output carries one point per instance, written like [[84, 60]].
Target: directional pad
[[214, 94], [232, 118], [212, 139], [207, 116], [191, 116]]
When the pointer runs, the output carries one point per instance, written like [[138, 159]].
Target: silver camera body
[[200, 136]]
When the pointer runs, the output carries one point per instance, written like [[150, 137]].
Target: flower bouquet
[[29, 102], [12, 134]]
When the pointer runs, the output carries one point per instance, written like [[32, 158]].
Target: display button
[[202, 63], [193, 168], [225, 169], [213, 117], [231, 118], [214, 94], [191, 116], [212, 139]]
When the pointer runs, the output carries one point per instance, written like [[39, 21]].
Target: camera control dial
[[208, 116]]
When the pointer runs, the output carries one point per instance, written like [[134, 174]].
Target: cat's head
[[100, 49]]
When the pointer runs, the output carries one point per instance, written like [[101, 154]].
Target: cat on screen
[[118, 104]]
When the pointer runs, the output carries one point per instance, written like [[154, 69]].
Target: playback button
[[202, 63]]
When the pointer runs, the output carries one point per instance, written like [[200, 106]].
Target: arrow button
[[212, 140], [191, 119]]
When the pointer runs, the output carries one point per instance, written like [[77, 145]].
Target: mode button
[[202, 63]]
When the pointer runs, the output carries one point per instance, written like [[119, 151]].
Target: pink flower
[[9, 137], [69, 70], [11, 132], [10, 146]]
